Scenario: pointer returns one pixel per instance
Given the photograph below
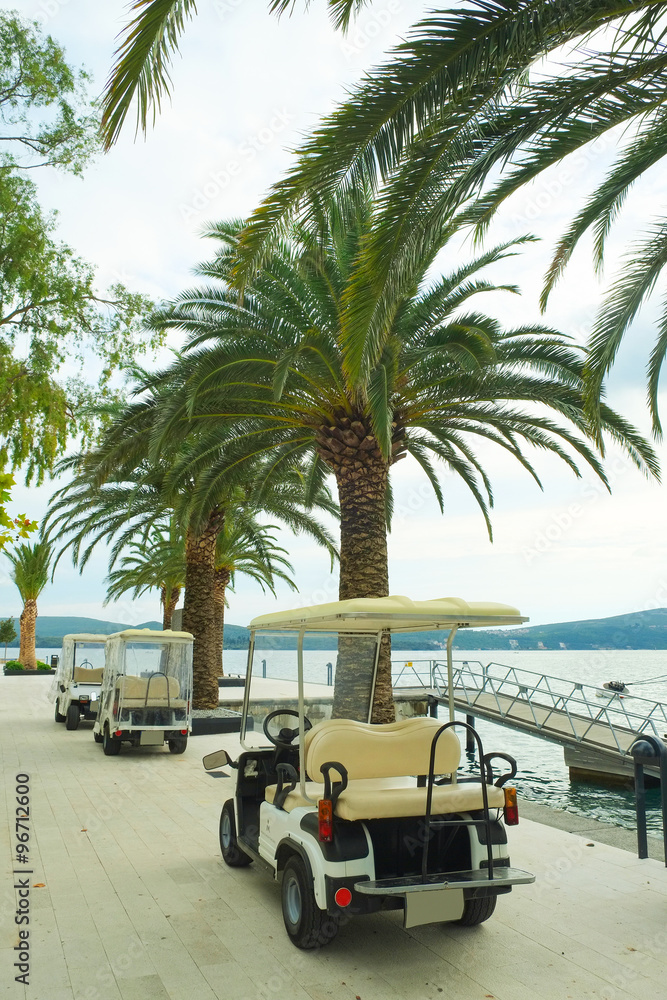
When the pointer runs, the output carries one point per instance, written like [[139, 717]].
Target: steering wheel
[[285, 736]]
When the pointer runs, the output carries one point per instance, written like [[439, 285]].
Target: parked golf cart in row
[[351, 817], [146, 692], [76, 685]]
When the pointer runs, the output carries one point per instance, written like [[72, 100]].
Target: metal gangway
[[596, 723]]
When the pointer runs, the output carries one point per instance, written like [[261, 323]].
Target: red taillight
[[343, 896], [511, 811], [119, 732], [325, 821], [184, 732]]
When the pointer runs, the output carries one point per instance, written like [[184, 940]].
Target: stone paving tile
[[140, 905]]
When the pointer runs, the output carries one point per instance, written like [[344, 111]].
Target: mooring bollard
[[646, 752]]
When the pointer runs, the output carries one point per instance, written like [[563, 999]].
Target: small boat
[[611, 689]]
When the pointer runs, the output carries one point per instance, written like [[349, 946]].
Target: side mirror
[[218, 759]]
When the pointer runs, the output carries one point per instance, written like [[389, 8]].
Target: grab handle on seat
[[333, 789], [286, 772], [488, 769]]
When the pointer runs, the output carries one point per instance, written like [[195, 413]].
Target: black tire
[[98, 737], [232, 854], [307, 926], [73, 716], [178, 745], [476, 911], [110, 744], [58, 716]]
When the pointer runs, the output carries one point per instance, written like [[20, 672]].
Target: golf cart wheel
[[59, 717], [73, 716], [476, 911], [178, 745], [307, 926], [232, 854], [98, 737], [110, 744]]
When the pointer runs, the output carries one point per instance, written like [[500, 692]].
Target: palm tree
[[122, 491], [467, 97], [277, 369], [31, 565], [450, 107], [246, 548], [157, 562]]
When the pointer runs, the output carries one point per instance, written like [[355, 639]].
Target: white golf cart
[[355, 817], [76, 685], [146, 696]]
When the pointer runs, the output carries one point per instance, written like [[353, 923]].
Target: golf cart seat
[[88, 675], [383, 763], [156, 691]]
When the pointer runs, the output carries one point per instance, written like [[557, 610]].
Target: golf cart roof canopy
[[148, 635], [393, 614], [84, 637]]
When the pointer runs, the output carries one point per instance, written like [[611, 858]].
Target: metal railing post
[[644, 752], [329, 674], [263, 668]]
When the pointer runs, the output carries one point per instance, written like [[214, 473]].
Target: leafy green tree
[[50, 309], [277, 371], [7, 632], [31, 565]]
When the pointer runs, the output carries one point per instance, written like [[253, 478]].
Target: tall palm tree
[[452, 106], [31, 564], [468, 97], [430, 376]]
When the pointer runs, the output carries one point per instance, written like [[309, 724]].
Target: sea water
[[542, 774]]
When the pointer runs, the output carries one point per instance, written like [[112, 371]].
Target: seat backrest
[[391, 750], [156, 686], [88, 675]]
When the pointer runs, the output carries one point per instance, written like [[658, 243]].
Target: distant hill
[[638, 630], [51, 629]]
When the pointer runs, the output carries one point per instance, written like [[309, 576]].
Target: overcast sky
[[247, 88]]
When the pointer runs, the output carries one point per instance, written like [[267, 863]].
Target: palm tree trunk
[[363, 573], [169, 599], [28, 620], [199, 609], [222, 577]]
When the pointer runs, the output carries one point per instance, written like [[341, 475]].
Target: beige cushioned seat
[[88, 675], [382, 762], [162, 691]]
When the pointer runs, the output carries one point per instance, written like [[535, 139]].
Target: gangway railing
[[553, 707]]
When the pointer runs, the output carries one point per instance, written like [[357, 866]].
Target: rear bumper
[[502, 878]]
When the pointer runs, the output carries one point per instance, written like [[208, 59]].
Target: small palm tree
[[246, 548], [157, 562], [31, 564]]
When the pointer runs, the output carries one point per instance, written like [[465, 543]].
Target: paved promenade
[[130, 900]]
